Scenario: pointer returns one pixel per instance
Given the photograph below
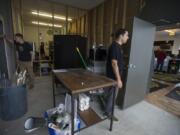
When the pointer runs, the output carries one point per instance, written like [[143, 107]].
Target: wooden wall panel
[[112, 18], [73, 28], [79, 26], [119, 14], [132, 9], [94, 26], [99, 23], [86, 24], [90, 31], [106, 27], [82, 25]]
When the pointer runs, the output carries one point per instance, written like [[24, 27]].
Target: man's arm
[[8, 39], [116, 72]]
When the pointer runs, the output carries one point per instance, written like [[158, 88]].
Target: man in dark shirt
[[24, 56], [115, 52], [115, 64]]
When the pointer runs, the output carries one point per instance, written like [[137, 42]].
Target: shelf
[[89, 117]]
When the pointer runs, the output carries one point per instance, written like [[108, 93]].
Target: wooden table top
[[39, 61], [80, 80]]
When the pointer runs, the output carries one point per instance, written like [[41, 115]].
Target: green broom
[[81, 58]]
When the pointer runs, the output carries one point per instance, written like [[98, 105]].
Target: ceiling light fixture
[[46, 24], [44, 14], [171, 32], [178, 23]]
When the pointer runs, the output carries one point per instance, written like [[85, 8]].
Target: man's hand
[[119, 84], [7, 39]]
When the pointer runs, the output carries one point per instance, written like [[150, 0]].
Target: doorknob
[[132, 66]]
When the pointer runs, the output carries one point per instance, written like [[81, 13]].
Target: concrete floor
[[141, 119]]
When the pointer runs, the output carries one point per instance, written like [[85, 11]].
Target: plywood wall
[[99, 23]]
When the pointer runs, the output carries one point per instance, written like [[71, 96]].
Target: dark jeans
[[109, 95], [160, 64]]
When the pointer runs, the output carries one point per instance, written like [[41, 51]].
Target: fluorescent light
[[171, 32], [43, 14], [46, 24]]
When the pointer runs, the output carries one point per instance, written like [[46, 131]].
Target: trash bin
[[13, 102]]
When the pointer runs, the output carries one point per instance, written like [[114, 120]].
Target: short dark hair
[[19, 35], [118, 32]]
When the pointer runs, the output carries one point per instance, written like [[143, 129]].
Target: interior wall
[[104, 19], [100, 22], [166, 37], [78, 26], [17, 16], [31, 35], [7, 50]]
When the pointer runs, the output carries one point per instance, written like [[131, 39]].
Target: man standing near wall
[[115, 65], [24, 56]]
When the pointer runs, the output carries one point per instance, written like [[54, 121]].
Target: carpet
[[174, 94], [171, 78], [157, 86]]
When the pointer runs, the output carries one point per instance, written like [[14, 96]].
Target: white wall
[[166, 37]]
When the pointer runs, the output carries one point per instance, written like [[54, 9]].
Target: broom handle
[[84, 63]]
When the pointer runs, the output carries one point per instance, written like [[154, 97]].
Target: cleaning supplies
[[68, 105], [21, 78], [81, 58], [59, 121], [84, 102]]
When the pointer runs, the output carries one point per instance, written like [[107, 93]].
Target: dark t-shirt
[[161, 56], [114, 52], [24, 51]]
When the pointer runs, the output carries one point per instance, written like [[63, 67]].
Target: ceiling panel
[[164, 33], [83, 4], [48, 7], [161, 12]]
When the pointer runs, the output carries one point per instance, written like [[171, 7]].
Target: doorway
[[164, 86]]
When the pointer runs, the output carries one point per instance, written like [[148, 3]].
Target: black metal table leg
[[72, 115], [54, 98], [112, 112]]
